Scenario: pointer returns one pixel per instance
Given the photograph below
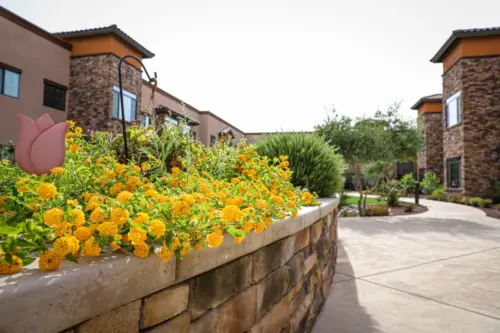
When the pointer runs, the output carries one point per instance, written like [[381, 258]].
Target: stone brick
[[300, 313], [309, 263], [124, 319], [276, 320], [237, 315], [295, 290], [165, 305], [316, 231], [287, 249], [272, 289], [431, 156], [265, 260], [302, 239], [214, 287], [295, 265], [90, 94], [179, 324]]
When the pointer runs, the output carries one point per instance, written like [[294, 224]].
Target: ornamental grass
[[166, 206]]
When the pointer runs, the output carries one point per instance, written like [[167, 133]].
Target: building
[[469, 115], [74, 75]]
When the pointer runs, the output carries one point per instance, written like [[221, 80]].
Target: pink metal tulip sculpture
[[41, 144]]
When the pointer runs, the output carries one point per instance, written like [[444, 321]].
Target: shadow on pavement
[[342, 312]]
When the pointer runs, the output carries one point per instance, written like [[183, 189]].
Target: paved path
[[433, 272]]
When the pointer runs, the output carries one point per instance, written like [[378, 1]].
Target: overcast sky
[[266, 65]]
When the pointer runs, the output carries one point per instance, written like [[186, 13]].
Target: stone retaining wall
[[275, 281]]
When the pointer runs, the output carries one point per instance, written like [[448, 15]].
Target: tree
[[372, 143]]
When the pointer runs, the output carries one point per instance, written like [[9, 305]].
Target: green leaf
[[71, 257], [28, 260]]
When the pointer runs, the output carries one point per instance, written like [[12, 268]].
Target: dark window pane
[[1, 81], [54, 97], [115, 105], [11, 83], [453, 170]]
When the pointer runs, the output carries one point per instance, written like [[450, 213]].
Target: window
[[212, 140], [453, 171], [193, 135], [145, 120], [54, 95], [453, 110], [9, 80], [171, 121], [129, 105]]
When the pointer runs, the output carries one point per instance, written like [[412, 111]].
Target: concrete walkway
[[433, 272]]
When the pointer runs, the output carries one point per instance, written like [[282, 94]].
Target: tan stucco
[[39, 59]]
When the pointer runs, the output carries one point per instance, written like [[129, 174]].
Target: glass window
[[212, 140], [171, 121], [10, 83], [145, 120], [453, 171], [54, 96], [129, 105], [453, 110]]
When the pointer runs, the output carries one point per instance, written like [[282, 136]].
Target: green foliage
[[390, 193], [476, 202], [439, 190], [409, 207], [496, 192], [7, 152], [430, 183], [315, 165], [408, 183], [487, 203], [465, 200]]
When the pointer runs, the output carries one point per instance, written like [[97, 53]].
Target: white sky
[[275, 64]]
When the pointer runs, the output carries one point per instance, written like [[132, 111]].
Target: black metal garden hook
[[150, 79]]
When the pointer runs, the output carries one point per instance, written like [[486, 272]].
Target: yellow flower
[[307, 197], [57, 171], [152, 194], [94, 202], [98, 215], [141, 250], [110, 174], [283, 158], [239, 239], [91, 249], [235, 180], [115, 246], [157, 228], [215, 239], [117, 188], [259, 228], [124, 196], [108, 229], [82, 233], [78, 130], [74, 148], [49, 260], [71, 123], [146, 166], [136, 168], [78, 217], [284, 164], [11, 268], [231, 213], [137, 235], [47, 191], [164, 254], [148, 187], [53, 217], [294, 215], [66, 244], [5, 162], [141, 138], [72, 203], [63, 229], [248, 226], [119, 216], [141, 218], [119, 168], [262, 204]]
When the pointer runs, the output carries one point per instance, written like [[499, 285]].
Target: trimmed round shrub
[[316, 165]]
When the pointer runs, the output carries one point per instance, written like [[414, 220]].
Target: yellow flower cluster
[[144, 209]]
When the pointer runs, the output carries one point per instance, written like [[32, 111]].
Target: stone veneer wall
[[90, 101], [477, 138], [273, 282], [433, 149], [453, 137]]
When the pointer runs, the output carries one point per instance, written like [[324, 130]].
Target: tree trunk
[[356, 168]]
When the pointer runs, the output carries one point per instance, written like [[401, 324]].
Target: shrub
[[487, 203], [408, 183], [496, 192], [377, 210], [429, 183], [93, 201], [390, 193], [465, 201], [456, 198], [438, 197], [476, 202], [439, 190], [315, 164]]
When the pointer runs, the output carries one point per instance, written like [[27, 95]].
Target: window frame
[[455, 97], [52, 84], [145, 120], [449, 163], [126, 94], [5, 67], [213, 140]]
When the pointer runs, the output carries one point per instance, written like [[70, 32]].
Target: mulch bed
[[400, 210], [492, 212]]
